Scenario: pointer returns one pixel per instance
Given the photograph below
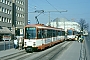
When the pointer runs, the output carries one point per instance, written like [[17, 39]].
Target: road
[[4, 45], [86, 46]]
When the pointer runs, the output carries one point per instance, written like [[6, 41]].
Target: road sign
[[28, 21], [21, 31]]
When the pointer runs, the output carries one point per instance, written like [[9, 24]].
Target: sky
[[76, 10]]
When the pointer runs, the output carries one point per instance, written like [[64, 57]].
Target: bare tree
[[83, 24]]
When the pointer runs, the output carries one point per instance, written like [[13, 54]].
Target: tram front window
[[69, 32], [30, 32]]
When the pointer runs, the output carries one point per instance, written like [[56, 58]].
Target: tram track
[[50, 55], [12, 56]]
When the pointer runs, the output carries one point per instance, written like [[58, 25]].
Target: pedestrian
[[79, 38], [15, 43], [20, 43]]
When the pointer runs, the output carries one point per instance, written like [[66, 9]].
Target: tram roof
[[43, 26]]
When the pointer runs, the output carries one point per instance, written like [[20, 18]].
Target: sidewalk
[[9, 51]]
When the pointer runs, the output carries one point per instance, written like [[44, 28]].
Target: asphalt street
[[8, 45]]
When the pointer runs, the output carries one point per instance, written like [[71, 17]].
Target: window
[[6, 2], [10, 20], [6, 20], [20, 8], [3, 1], [44, 33], [10, 11], [39, 34], [20, 2], [63, 33], [6, 10], [16, 22], [54, 33], [20, 23], [23, 16], [3, 19], [69, 32], [0, 0], [16, 14], [20, 15], [0, 8], [30, 32], [16, 7], [10, 4], [49, 33], [16, 1]]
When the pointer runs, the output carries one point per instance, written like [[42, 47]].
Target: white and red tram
[[71, 34], [39, 36]]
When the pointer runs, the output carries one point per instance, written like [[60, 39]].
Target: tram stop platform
[[74, 52]]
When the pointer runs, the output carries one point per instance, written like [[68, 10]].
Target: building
[[14, 15], [65, 24]]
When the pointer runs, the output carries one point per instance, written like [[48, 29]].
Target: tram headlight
[[34, 43], [25, 44]]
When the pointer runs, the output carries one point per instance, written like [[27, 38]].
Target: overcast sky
[[76, 9]]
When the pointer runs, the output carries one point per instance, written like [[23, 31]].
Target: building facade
[[14, 13], [65, 24]]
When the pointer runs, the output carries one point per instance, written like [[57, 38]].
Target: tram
[[71, 34], [39, 37]]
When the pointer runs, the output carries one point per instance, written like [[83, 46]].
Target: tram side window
[[63, 33], [54, 33], [59, 33], [74, 32], [48, 33], [39, 34], [44, 33]]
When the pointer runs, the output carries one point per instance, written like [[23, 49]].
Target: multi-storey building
[[14, 13], [65, 24]]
